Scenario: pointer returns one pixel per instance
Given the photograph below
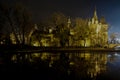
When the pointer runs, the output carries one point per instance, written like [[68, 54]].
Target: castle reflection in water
[[78, 64]]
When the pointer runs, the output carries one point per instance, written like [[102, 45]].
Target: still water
[[65, 66]]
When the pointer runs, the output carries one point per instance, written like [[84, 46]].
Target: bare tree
[[59, 22], [113, 38], [81, 29], [58, 18], [18, 21]]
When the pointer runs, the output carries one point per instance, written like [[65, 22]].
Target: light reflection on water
[[75, 65], [81, 64]]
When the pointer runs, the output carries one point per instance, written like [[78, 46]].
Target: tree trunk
[[23, 36], [12, 26]]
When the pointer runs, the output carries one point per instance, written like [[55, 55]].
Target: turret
[[95, 15], [95, 18], [69, 22]]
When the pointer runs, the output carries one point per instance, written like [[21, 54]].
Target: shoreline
[[28, 49], [57, 49]]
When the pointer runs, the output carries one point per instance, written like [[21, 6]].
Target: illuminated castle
[[98, 31], [97, 37]]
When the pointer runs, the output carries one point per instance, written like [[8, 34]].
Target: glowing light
[[44, 56], [36, 55], [71, 63], [36, 44], [14, 57], [109, 55]]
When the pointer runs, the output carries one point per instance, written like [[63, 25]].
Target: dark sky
[[40, 9]]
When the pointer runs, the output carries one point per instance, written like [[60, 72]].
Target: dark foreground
[[61, 66], [41, 71]]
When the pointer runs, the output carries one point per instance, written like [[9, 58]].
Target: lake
[[62, 66]]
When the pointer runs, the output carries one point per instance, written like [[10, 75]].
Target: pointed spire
[[95, 14], [69, 22]]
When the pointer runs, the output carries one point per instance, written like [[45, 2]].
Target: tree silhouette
[[59, 23], [15, 19], [81, 30]]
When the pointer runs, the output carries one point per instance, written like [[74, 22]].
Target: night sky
[[41, 9]]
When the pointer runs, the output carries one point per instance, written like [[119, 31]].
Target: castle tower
[[95, 18], [69, 22], [95, 15]]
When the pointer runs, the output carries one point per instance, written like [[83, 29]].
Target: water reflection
[[70, 65], [88, 64]]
